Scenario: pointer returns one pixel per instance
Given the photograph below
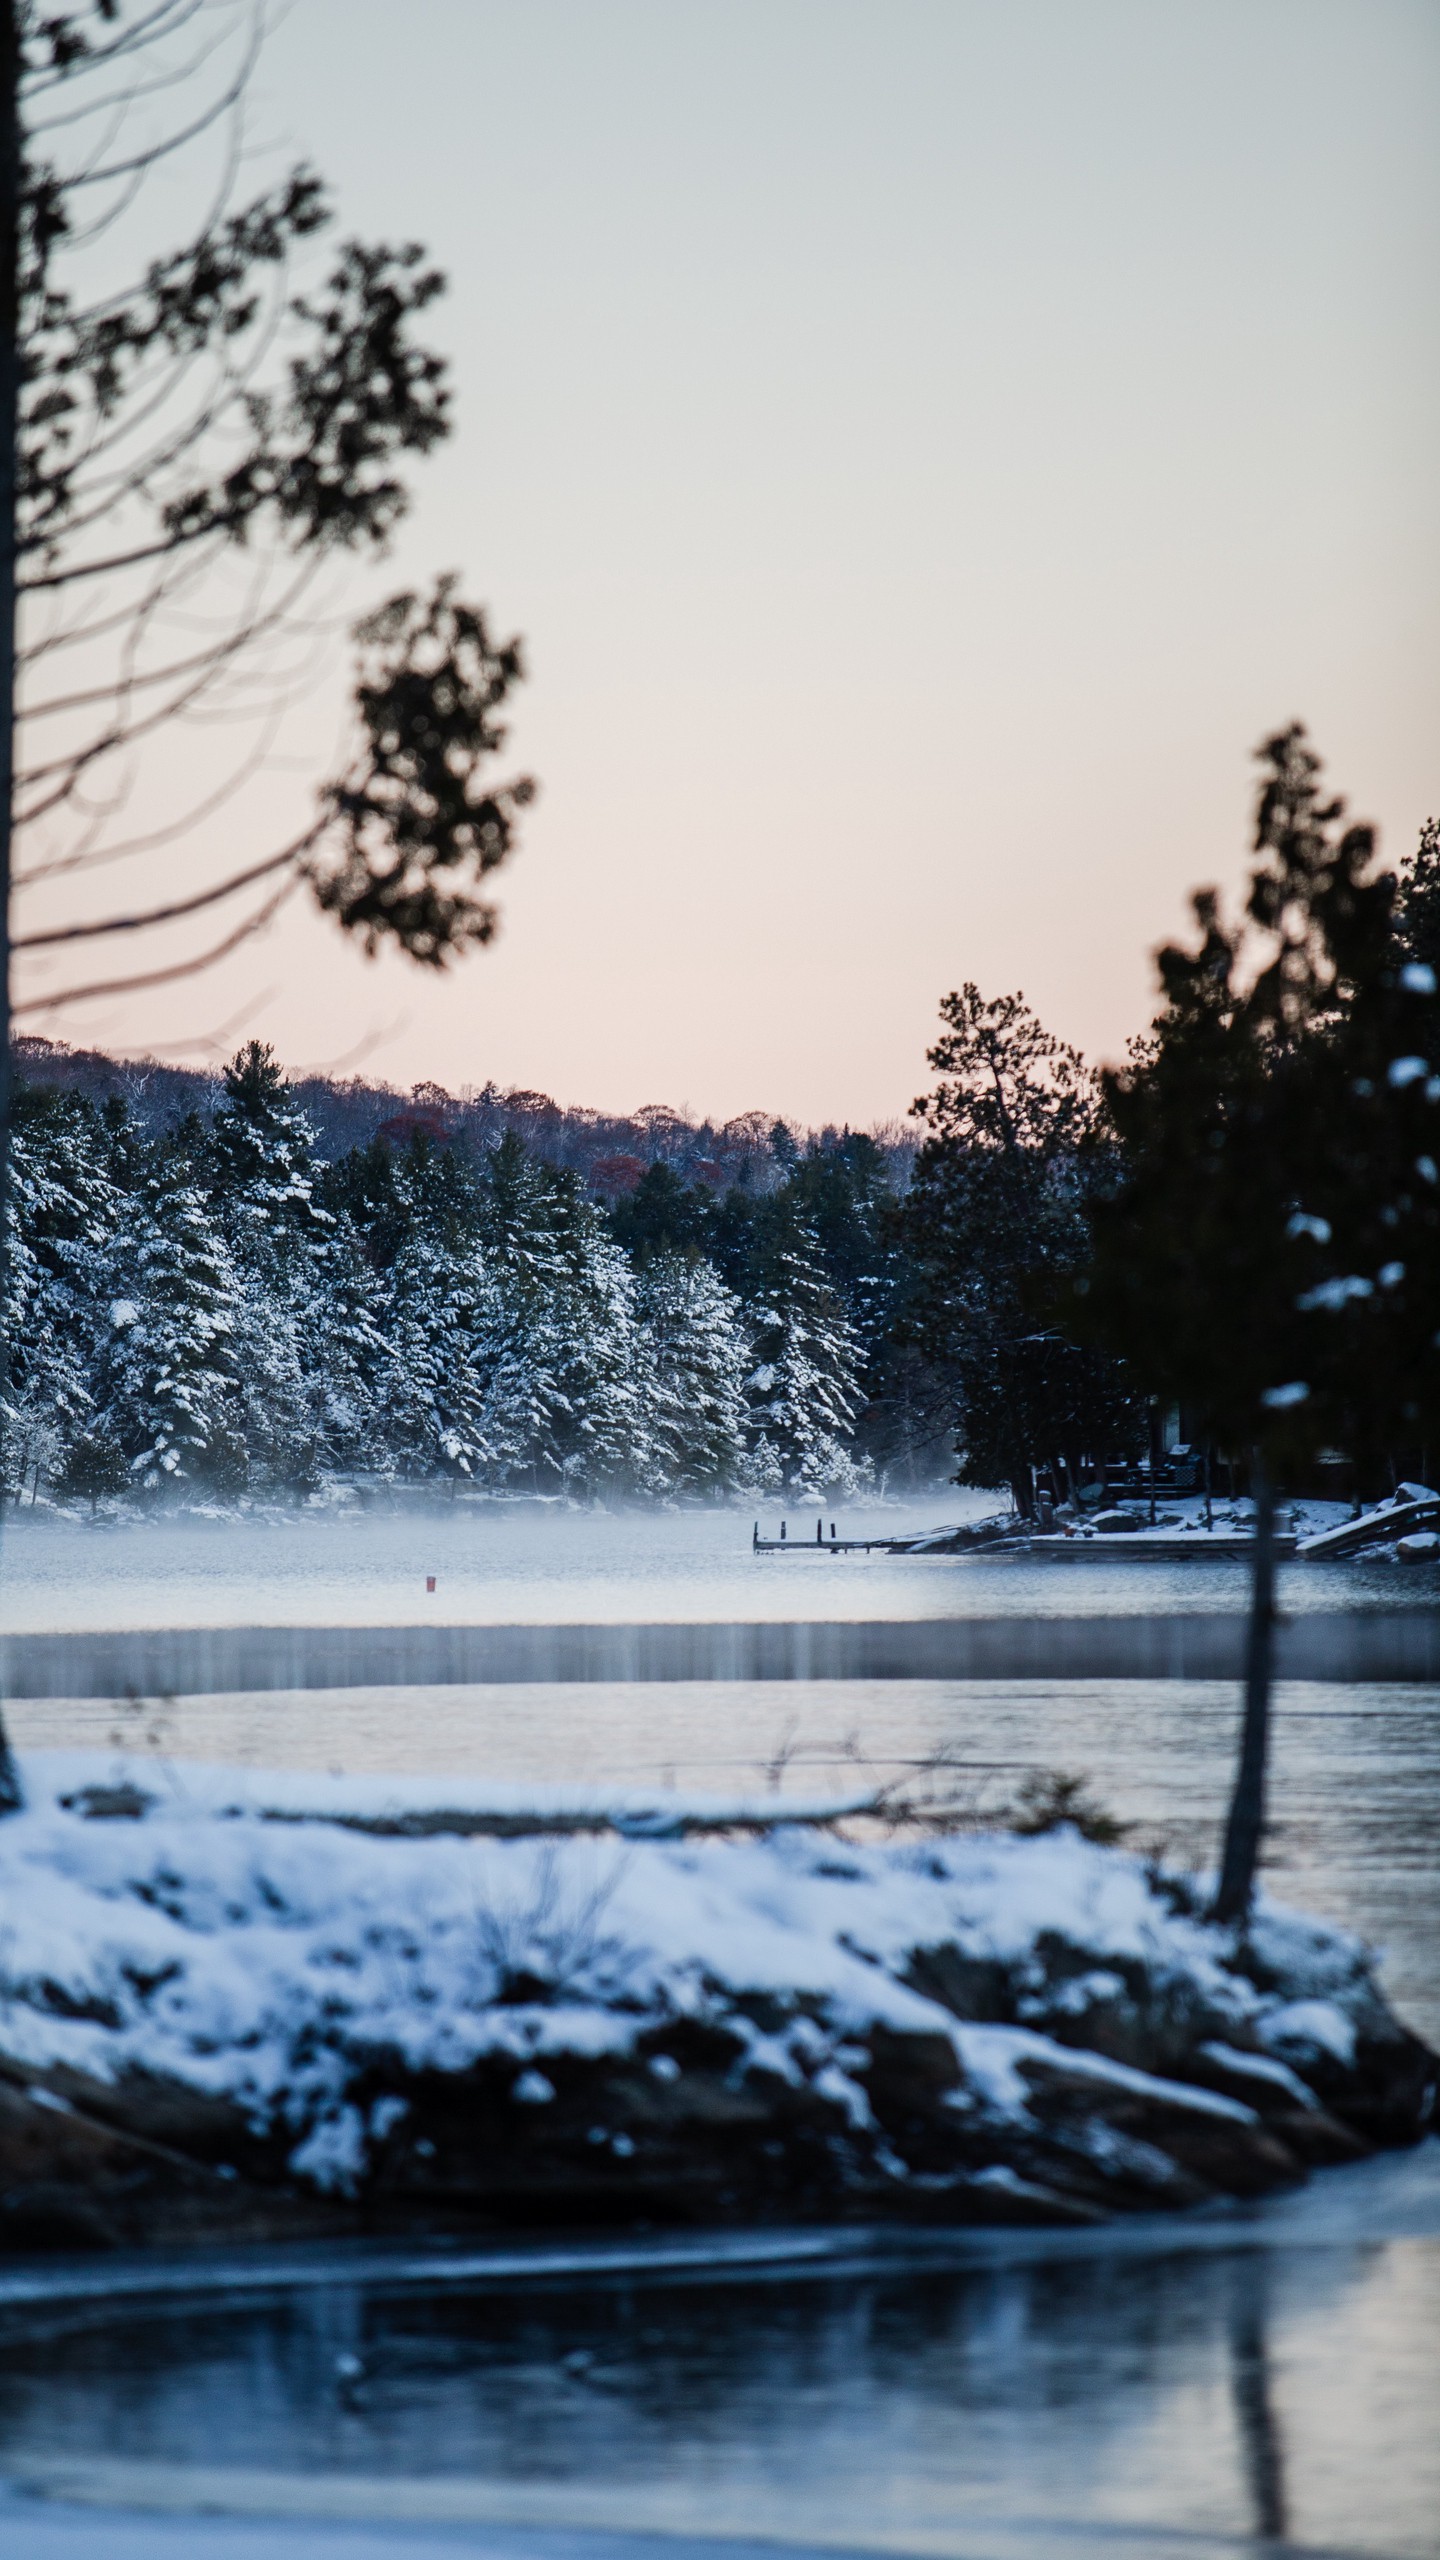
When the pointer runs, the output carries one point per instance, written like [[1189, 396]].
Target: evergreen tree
[[257, 1161], [804, 1386], [698, 1363], [1417, 905], [367, 1188], [167, 1389], [518, 1355], [996, 1226], [1271, 1253], [64, 1210], [585, 1354], [662, 1215], [449, 1400], [350, 1355]]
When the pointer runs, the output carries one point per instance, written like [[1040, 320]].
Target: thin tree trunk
[[9, 406], [1246, 1824]]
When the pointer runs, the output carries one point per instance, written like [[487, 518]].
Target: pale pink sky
[[925, 444]]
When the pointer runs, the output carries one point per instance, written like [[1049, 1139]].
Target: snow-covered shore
[[229, 2008]]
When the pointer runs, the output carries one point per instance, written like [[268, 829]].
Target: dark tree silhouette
[[179, 460], [1268, 1257], [1417, 908], [995, 1224]]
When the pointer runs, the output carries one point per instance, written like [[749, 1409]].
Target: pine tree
[[995, 1229], [64, 1210], [600, 1359], [697, 1359], [661, 1215], [350, 1354], [444, 1353], [1271, 1254], [167, 1390], [1417, 905], [259, 1153], [804, 1389], [577, 1361], [256, 1158]]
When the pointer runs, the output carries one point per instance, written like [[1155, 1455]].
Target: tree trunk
[[9, 406], [1246, 1824]]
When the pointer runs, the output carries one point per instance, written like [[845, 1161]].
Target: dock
[[925, 1542], [831, 1546]]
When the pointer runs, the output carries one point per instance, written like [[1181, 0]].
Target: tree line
[[211, 1311], [1241, 1219]]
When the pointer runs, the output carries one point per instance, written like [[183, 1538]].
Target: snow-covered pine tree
[[259, 1156], [698, 1363], [583, 1352], [804, 1389], [63, 1213], [446, 1403], [166, 1389], [454, 1405], [599, 1354], [257, 1160], [349, 1357]]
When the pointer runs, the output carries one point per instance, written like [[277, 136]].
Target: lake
[[1260, 2380]]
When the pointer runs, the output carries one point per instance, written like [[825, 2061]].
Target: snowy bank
[[233, 2010]]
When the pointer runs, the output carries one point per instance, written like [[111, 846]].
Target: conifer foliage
[[212, 1312], [996, 1229], [804, 1390]]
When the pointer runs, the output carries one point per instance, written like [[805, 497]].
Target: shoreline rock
[[217, 2029]]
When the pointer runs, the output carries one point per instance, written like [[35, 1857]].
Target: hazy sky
[[925, 445]]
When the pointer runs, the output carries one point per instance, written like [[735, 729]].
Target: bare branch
[[218, 652], [164, 977], [93, 622], [179, 907], [150, 158], [111, 740], [39, 127], [135, 559], [91, 858], [135, 38]]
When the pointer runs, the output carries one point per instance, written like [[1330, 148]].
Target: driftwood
[[658, 1821]]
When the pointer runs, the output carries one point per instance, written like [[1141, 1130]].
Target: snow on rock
[[1303, 2028], [594, 2024]]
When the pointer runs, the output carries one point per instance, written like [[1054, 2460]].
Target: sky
[[925, 446]]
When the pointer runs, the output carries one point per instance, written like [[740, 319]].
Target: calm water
[[506, 1565], [1273, 2390], [1263, 2382]]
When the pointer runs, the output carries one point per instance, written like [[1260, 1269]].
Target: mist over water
[[502, 1563], [1264, 2380]]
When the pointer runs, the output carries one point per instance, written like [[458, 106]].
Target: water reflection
[[1237, 2394], [1262, 2447]]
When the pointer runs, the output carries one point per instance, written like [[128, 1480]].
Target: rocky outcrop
[[71, 2180], [216, 2026]]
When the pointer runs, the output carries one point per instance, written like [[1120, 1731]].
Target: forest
[[210, 1306], [233, 1288]]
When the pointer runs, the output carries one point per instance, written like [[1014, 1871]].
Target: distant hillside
[[611, 1151]]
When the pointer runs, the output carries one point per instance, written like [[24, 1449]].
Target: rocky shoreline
[[218, 2026]]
